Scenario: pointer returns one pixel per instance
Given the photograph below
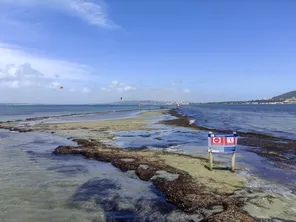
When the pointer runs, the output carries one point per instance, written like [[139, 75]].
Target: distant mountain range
[[286, 98]]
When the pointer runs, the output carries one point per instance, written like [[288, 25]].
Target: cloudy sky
[[188, 50]]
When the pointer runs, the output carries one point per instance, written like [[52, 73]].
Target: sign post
[[222, 143]]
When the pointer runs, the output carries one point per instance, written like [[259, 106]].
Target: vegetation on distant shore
[[286, 98]]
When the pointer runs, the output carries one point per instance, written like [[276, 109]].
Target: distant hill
[[284, 96]]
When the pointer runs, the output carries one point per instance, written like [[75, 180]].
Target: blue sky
[[199, 51]]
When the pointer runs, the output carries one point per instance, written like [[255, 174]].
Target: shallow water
[[83, 118], [14, 112], [195, 143], [36, 185], [261, 176]]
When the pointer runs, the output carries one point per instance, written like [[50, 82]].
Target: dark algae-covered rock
[[178, 186]]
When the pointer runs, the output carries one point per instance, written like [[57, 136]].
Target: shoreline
[[36, 118], [184, 179], [280, 150]]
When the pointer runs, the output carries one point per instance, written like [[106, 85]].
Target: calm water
[[27, 111], [278, 120], [38, 186]]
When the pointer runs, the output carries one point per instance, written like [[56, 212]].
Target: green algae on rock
[[181, 189]]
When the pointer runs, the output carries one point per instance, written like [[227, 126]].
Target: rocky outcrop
[[178, 186]]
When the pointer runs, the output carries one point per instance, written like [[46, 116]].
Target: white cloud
[[85, 90], [49, 68], [28, 78], [117, 86], [23, 71], [10, 84], [23, 76], [14, 76], [92, 12], [187, 91]]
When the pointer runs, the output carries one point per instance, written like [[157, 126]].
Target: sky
[[171, 50]]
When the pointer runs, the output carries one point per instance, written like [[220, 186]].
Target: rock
[[178, 186], [127, 159], [143, 166], [146, 172], [230, 215], [85, 143], [165, 175]]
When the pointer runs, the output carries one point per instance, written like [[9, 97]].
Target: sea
[[36, 185]]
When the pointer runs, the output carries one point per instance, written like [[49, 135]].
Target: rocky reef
[[180, 188]]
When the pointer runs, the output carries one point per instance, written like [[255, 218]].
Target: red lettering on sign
[[217, 141]]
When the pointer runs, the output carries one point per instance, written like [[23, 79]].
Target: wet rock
[[145, 172], [67, 150], [127, 159], [273, 220], [125, 165], [165, 175], [137, 148], [16, 129], [231, 215], [145, 136], [85, 143], [143, 166], [213, 210], [178, 186]]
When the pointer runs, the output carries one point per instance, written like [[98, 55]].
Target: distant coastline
[[286, 98], [269, 102]]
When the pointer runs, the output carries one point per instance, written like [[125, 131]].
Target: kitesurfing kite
[[61, 87], [120, 98]]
